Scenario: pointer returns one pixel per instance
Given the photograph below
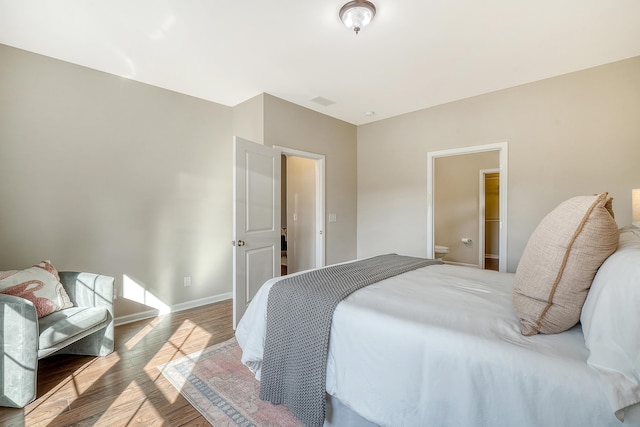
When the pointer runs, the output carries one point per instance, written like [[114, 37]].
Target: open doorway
[[489, 218], [302, 212], [466, 241]]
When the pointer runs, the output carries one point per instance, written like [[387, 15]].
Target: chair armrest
[[16, 311], [18, 351], [91, 290], [88, 289]]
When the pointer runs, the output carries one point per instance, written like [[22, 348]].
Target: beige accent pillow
[[560, 261], [39, 284]]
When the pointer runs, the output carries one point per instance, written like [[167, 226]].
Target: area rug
[[223, 390]]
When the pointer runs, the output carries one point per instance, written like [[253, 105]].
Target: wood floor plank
[[126, 387]]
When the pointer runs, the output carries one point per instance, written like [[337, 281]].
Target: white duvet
[[441, 346]]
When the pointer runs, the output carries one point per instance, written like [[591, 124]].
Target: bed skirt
[[339, 415]]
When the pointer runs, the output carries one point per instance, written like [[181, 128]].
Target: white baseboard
[[129, 318], [463, 264]]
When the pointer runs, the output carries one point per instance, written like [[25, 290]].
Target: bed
[[442, 346]]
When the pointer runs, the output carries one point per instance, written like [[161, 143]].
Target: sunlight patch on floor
[[171, 394], [96, 369], [174, 350], [134, 340]]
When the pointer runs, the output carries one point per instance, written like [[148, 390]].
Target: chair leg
[[18, 387]]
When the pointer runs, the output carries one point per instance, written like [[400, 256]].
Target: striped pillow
[[560, 261]]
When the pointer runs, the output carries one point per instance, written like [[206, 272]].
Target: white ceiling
[[415, 54]]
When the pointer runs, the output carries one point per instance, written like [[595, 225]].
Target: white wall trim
[[123, 320], [463, 264]]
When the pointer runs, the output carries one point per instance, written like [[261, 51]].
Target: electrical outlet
[[187, 281]]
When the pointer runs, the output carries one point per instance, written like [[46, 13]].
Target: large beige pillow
[[559, 262], [39, 284]]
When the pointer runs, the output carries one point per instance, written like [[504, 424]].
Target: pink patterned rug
[[225, 391]]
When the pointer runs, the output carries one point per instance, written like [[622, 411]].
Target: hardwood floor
[[125, 388], [491, 264]]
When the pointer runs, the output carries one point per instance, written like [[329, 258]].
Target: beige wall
[[104, 174], [568, 135], [100, 173], [248, 119], [291, 126], [457, 203]]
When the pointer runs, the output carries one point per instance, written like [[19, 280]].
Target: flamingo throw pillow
[[39, 284]]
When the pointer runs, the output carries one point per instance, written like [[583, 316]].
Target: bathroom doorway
[[462, 242]]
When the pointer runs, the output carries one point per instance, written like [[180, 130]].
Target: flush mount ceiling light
[[357, 14]]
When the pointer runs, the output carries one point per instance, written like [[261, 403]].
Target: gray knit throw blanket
[[299, 314]]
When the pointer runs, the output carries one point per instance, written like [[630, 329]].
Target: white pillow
[[611, 323]]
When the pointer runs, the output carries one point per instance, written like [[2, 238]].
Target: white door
[[256, 193]]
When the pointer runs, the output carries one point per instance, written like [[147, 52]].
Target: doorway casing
[[502, 147]]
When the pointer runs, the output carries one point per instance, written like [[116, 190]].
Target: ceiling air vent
[[322, 101]]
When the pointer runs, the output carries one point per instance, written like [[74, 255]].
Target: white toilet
[[441, 251]]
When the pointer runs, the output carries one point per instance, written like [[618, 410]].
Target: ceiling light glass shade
[[357, 14]]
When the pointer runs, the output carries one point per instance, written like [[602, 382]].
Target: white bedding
[[441, 346]]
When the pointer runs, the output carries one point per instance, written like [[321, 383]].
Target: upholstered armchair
[[86, 328]]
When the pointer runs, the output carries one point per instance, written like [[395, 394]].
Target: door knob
[[240, 242]]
